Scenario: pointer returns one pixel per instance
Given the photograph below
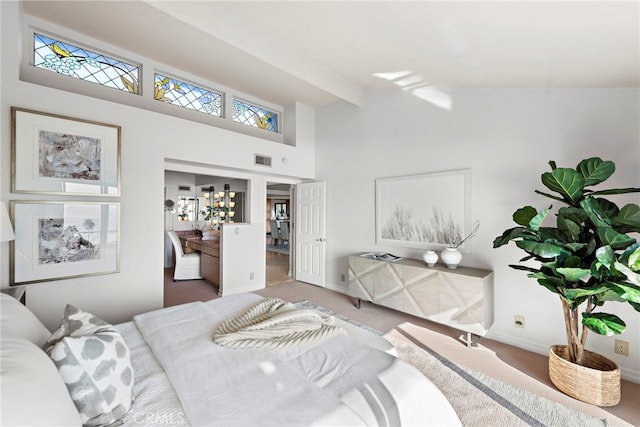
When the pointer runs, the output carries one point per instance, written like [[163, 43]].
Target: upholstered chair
[[187, 265]]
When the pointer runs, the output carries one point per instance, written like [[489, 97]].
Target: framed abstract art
[[426, 211], [63, 240], [52, 154]]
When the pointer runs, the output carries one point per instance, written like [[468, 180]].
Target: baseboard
[[338, 288], [626, 373]]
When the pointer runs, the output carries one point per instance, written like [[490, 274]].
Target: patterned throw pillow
[[95, 364]]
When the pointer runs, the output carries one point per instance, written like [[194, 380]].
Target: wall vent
[[184, 188], [263, 160]]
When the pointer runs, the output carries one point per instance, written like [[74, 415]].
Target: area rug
[[478, 399]]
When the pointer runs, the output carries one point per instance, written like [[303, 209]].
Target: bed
[[166, 370]]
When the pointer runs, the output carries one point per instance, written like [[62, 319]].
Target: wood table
[[209, 257]]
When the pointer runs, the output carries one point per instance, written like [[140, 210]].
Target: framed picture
[[63, 240], [53, 154], [423, 211]]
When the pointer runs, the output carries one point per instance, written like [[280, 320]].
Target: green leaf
[[631, 276], [609, 296], [607, 207], [572, 262], [575, 247], [543, 250], [595, 170], [573, 293], [524, 215], [626, 291], [573, 274], [609, 236], [550, 285], [567, 182], [510, 234], [629, 215], [576, 215], [593, 211], [568, 227], [605, 255], [537, 220], [524, 268], [634, 259], [603, 323]]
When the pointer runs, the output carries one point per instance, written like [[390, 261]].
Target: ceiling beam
[[213, 19]]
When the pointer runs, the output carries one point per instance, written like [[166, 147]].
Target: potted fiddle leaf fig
[[588, 258]]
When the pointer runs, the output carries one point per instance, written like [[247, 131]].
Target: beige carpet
[[503, 362], [477, 398]]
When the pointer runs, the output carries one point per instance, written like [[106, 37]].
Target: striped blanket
[[274, 324]]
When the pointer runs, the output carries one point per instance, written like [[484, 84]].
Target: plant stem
[[567, 325], [585, 330], [575, 346]]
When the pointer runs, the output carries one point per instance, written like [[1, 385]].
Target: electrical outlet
[[518, 321], [621, 347], [342, 277], [251, 276]]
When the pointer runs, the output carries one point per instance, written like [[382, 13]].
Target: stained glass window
[[176, 92], [65, 58], [255, 116]]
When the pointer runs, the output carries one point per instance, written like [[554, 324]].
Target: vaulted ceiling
[[317, 52]]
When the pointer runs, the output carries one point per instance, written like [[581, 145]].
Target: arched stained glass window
[[68, 59], [176, 92], [255, 116]]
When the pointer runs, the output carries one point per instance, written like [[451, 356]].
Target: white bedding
[[154, 400], [338, 382]]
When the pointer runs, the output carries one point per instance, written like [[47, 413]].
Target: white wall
[[149, 140], [237, 239], [506, 137]]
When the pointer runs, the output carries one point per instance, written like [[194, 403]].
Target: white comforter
[[339, 382]]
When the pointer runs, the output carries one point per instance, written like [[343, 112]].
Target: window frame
[[223, 95], [262, 107], [31, 46], [148, 68]]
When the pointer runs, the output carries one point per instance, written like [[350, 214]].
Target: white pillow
[[18, 320], [33, 393], [95, 364]]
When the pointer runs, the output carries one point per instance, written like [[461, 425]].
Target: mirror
[[186, 208], [169, 205], [190, 195], [281, 210]]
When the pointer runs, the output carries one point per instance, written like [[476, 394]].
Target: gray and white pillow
[[95, 364]]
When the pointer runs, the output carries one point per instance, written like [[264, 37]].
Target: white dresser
[[461, 298]]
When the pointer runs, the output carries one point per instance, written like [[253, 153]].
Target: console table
[[461, 298]]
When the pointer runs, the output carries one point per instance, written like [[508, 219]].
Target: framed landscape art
[[63, 240], [428, 211], [52, 154]]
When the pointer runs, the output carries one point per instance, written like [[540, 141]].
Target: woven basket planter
[[597, 382]]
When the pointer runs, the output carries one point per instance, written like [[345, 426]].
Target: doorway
[[278, 239]]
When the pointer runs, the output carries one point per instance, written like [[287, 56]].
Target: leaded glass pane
[[65, 58], [255, 116], [176, 92]]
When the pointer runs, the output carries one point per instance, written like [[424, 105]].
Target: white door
[[310, 232]]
